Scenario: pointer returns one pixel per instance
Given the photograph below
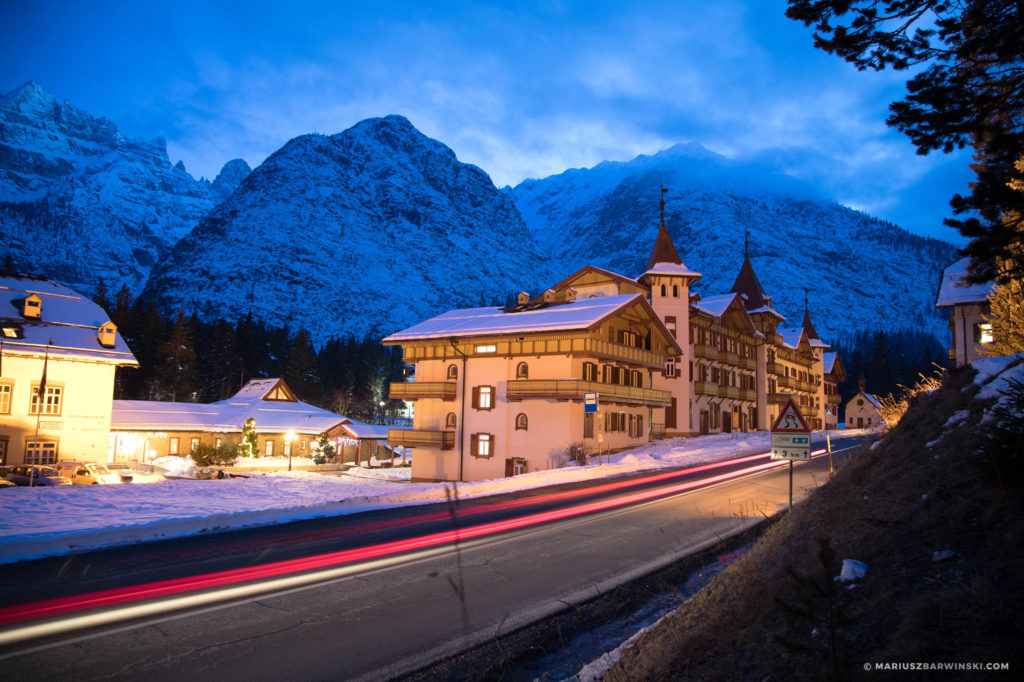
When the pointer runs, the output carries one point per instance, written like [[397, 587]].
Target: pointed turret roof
[[664, 250], [812, 333], [749, 286]]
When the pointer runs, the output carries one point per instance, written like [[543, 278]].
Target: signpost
[[791, 439]]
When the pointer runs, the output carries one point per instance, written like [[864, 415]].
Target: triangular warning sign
[[790, 420]]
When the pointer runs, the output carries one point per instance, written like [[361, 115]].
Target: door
[[670, 416]]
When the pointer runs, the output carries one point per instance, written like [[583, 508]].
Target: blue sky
[[522, 89]]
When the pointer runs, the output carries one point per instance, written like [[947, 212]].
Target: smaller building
[[143, 430], [58, 355], [834, 374], [863, 410], [968, 306]]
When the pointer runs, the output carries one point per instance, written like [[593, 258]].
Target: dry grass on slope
[[778, 613]]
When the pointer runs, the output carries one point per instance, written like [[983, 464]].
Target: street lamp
[[289, 438]]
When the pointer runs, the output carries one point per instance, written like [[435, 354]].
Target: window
[[173, 448], [51, 400], [3, 451], [287, 448], [269, 451], [588, 425], [675, 291], [487, 349], [193, 445], [589, 371], [522, 423], [984, 333], [606, 374], [483, 397], [41, 452], [12, 332], [5, 398], [217, 442], [453, 372], [663, 291], [450, 421], [482, 445], [522, 371], [518, 466], [670, 367], [670, 324]]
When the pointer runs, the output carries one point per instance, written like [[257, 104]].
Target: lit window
[[193, 444], [269, 451], [483, 397], [11, 332], [985, 333], [44, 452], [482, 444], [522, 371], [3, 451], [173, 449], [486, 349], [51, 400], [5, 398]]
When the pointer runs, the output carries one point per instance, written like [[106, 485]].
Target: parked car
[[86, 473], [4, 483], [36, 474]]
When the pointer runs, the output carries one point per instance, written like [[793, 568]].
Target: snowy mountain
[[81, 202], [366, 231], [859, 272]]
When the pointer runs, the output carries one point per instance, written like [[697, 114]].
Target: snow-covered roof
[[68, 322], [365, 431], [671, 269], [954, 290], [791, 337], [579, 314], [271, 416], [715, 305], [828, 362]]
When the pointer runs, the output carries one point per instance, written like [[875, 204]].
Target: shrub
[[578, 452], [1001, 455], [205, 455]]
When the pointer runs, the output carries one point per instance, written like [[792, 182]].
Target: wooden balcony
[[731, 359], [730, 392], [573, 389], [834, 399], [776, 369], [703, 350], [779, 398], [748, 394], [422, 438], [748, 363], [705, 388], [417, 390]]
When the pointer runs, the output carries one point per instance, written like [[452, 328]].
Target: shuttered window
[[482, 444], [483, 397]]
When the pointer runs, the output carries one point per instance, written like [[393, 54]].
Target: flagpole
[[40, 394]]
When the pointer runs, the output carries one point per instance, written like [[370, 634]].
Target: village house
[[143, 430], [863, 410], [501, 391], [58, 355], [968, 306]]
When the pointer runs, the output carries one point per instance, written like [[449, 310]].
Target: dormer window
[[570, 294], [107, 334], [549, 296], [32, 306], [523, 298]]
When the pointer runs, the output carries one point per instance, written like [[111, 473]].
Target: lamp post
[[289, 438]]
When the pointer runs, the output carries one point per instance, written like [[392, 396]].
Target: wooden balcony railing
[[416, 390], [573, 389], [732, 359], [776, 369], [705, 388], [748, 363], [703, 350], [422, 438], [748, 394]]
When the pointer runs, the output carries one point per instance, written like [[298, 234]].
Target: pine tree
[[177, 364], [1006, 315]]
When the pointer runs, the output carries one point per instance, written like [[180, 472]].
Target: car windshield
[[46, 471], [100, 469]]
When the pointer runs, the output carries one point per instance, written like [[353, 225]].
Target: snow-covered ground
[[49, 521]]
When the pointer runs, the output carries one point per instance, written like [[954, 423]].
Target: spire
[[664, 250], [746, 240], [808, 327], [749, 285]]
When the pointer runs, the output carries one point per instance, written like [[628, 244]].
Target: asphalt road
[[386, 615]]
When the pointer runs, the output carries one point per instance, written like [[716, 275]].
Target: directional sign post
[[791, 439]]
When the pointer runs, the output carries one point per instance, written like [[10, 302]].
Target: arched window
[[663, 291], [522, 371], [450, 421], [675, 291], [522, 423], [453, 372]]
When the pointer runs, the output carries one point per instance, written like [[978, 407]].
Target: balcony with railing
[[705, 388], [573, 389], [748, 394], [706, 351], [777, 369], [731, 358], [834, 399], [422, 438], [748, 363], [779, 398], [416, 390]]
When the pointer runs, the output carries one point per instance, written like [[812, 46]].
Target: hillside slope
[[939, 531], [363, 232], [859, 272], [81, 202]]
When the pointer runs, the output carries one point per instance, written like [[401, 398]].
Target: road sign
[[790, 420], [791, 436], [589, 402]]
